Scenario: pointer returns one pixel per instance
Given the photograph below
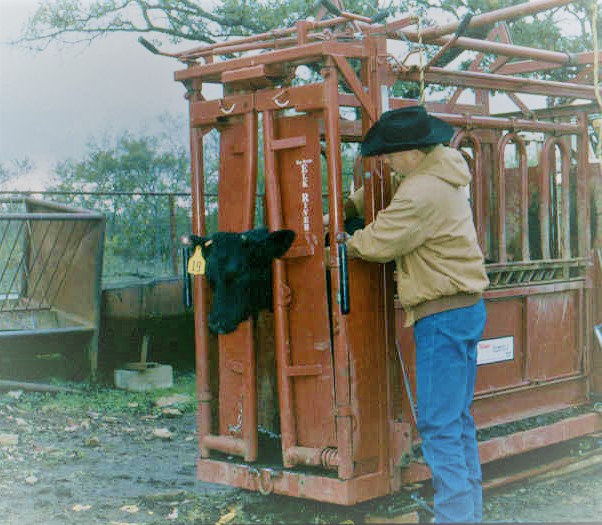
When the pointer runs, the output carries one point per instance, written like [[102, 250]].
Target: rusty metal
[[546, 164], [501, 196], [506, 13], [283, 357], [341, 407], [458, 140], [50, 268], [200, 288]]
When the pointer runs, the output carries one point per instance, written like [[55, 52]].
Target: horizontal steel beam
[[304, 54], [495, 82], [506, 13], [530, 66], [508, 50]]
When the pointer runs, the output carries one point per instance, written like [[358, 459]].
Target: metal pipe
[[288, 428], [477, 185], [201, 327], [271, 36], [325, 457], [524, 197], [225, 444], [249, 387], [32, 216], [506, 13], [475, 121], [335, 206], [507, 50], [545, 166], [530, 66], [491, 81], [583, 202]]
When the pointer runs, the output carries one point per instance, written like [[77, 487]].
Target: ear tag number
[[196, 264]]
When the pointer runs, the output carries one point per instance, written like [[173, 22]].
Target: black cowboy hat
[[404, 129]]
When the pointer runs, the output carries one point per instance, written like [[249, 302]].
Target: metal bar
[[283, 356], [535, 289], [44, 264], [335, 207], [506, 50], [173, 241], [10, 255], [477, 184], [47, 216], [500, 189], [60, 208], [544, 197], [532, 66], [270, 36], [583, 188], [497, 82], [249, 388], [520, 442], [565, 236], [356, 86], [325, 457], [507, 123], [226, 444], [197, 185], [54, 192], [506, 13], [524, 196], [298, 55], [16, 238]]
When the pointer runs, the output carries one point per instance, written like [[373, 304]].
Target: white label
[[305, 204], [495, 350], [304, 164]]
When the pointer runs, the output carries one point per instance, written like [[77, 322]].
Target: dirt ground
[[109, 457]]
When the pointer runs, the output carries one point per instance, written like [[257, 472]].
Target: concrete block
[[154, 377]]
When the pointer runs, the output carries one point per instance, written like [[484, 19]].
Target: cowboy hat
[[404, 129]]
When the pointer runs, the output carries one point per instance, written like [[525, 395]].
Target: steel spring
[[329, 457]]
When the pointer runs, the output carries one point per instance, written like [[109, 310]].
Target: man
[[428, 231]]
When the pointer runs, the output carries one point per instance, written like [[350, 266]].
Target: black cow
[[239, 271]]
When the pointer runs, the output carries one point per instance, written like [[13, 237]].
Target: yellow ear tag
[[196, 264]]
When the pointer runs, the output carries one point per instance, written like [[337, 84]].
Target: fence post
[[173, 234]]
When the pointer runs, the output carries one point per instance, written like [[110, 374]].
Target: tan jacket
[[428, 230]]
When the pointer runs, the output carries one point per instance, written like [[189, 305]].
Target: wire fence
[[143, 230]]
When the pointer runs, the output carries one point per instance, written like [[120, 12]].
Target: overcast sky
[[53, 102]]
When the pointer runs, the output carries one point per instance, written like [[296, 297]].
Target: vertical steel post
[[249, 404], [275, 221], [524, 196], [173, 241], [343, 410], [199, 287], [477, 180]]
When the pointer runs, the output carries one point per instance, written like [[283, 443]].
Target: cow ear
[[278, 242], [204, 242]]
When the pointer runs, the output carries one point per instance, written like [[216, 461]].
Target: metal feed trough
[[339, 428], [50, 270]]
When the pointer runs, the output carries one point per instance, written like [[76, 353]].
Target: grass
[[108, 401]]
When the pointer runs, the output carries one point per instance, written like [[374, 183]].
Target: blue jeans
[[446, 367]]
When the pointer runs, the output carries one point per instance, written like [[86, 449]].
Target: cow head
[[239, 271]]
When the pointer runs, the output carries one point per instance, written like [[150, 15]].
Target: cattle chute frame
[[345, 431]]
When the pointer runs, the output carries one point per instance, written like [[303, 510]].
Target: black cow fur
[[239, 272]]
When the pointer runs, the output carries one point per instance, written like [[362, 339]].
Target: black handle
[[186, 277], [334, 10], [343, 278]]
